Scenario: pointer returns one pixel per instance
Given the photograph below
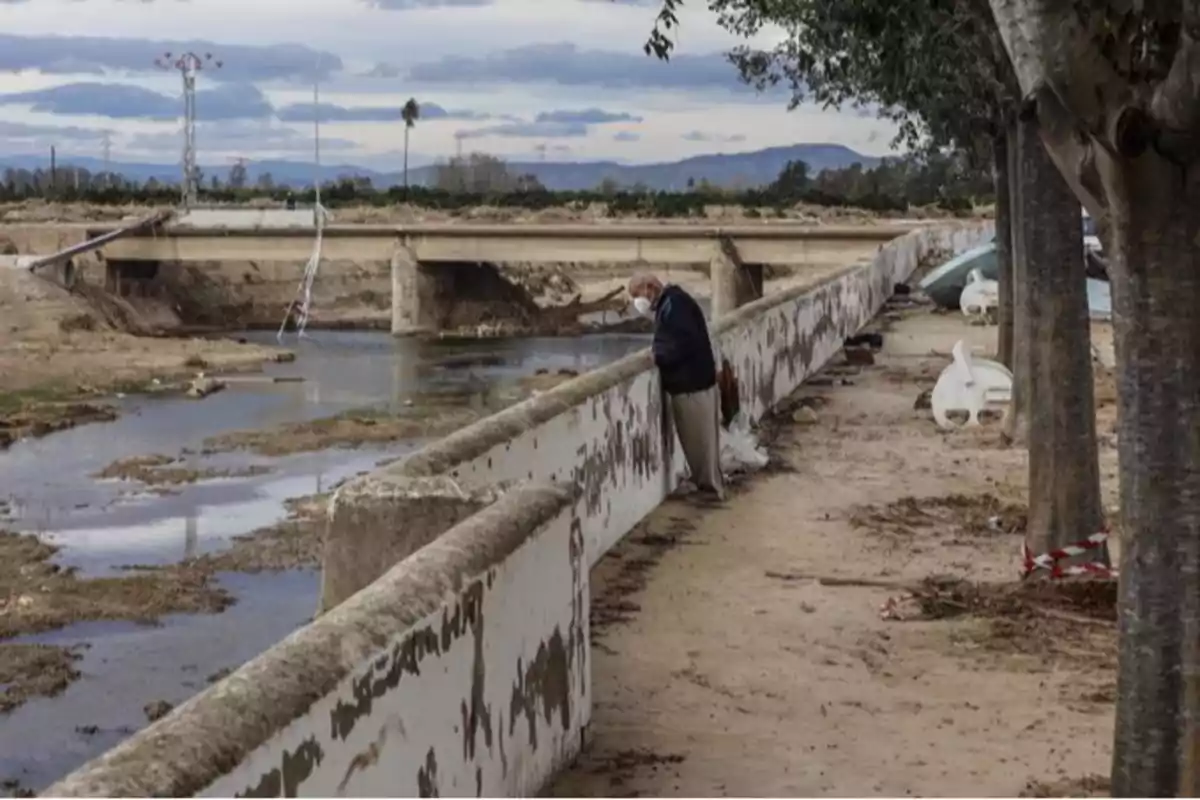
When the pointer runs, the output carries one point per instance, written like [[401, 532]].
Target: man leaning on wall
[[684, 357]]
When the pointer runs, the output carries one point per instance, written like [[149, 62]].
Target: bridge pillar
[[734, 283], [408, 286]]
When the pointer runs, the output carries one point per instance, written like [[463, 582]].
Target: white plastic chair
[[979, 296], [970, 385]]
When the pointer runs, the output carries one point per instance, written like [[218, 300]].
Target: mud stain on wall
[[631, 444], [284, 781], [370, 757], [427, 779], [544, 682], [406, 657], [542, 688]]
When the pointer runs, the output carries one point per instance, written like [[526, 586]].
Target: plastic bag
[[739, 448]]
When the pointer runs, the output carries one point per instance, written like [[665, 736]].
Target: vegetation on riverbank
[[950, 181]]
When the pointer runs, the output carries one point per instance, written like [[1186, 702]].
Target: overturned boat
[[945, 284]]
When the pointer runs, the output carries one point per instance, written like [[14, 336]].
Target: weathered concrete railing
[[453, 657]]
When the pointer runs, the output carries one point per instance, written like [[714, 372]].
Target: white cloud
[[518, 68]]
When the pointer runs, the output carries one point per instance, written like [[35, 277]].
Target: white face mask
[[641, 305]]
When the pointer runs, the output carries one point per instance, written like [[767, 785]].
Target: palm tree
[[410, 114]]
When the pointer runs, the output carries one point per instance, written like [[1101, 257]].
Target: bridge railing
[[454, 655]]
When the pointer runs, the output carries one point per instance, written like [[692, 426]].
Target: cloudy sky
[[526, 79]]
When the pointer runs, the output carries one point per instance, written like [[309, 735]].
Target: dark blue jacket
[[682, 350]]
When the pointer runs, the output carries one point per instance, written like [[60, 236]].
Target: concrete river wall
[[452, 654]]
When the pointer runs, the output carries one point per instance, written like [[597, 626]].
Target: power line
[[188, 65]]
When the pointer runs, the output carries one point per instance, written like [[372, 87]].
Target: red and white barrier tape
[[904, 607], [1049, 561]]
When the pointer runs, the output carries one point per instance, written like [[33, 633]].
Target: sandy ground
[[742, 651]]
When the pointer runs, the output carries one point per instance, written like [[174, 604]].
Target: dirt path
[[741, 651]]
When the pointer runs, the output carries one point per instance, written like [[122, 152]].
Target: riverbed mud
[[38, 595], [294, 543], [39, 413], [357, 428], [63, 349], [34, 670], [426, 416], [163, 470]]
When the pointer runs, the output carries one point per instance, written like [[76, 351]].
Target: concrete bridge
[[428, 261], [452, 656]]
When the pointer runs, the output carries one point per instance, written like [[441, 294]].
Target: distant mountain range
[[755, 168]]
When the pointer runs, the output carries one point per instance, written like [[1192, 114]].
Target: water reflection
[[125, 666], [189, 536], [202, 518], [50, 480]]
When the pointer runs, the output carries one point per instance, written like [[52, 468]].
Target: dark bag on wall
[[727, 385]]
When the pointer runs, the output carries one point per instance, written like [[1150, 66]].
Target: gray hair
[[642, 281]]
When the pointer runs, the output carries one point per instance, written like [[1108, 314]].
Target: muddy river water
[[105, 525]]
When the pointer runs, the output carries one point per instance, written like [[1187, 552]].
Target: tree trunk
[[1004, 276], [405, 162], [1017, 424], [1155, 268], [1064, 471]]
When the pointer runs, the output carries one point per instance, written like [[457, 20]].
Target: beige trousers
[[696, 418]]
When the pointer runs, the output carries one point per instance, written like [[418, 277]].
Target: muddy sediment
[[62, 350], [38, 595], [429, 415], [294, 543], [469, 296], [34, 415], [970, 515], [34, 670], [358, 428], [159, 470]]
